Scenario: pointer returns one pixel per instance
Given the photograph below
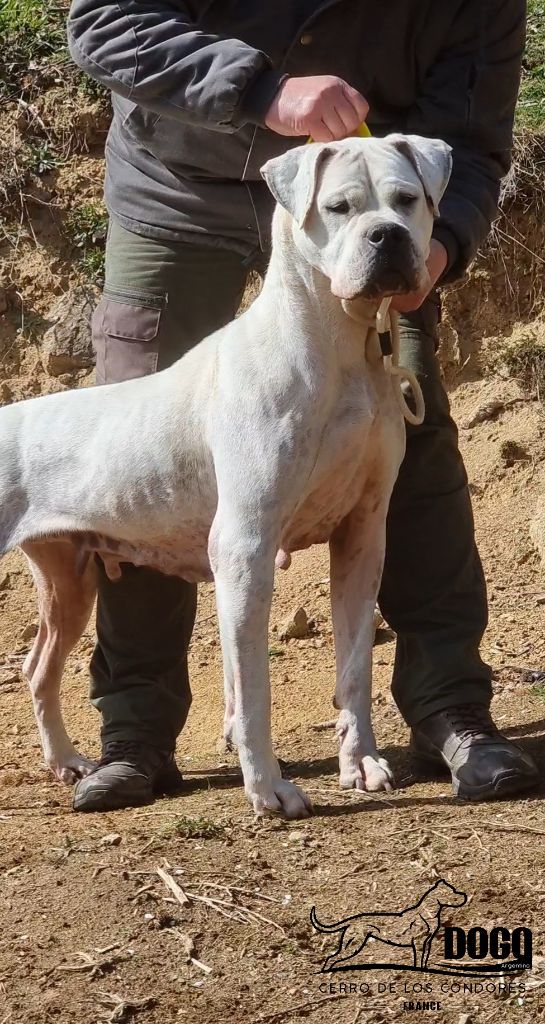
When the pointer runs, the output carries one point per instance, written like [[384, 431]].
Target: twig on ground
[[200, 965], [356, 795], [32, 111], [310, 1004], [507, 826], [175, 889], [148, 890], [121, 1009], [490, 410], [322, 726], [246, 892], [98, 869], [148, 845], [97, 963], [227, 908]]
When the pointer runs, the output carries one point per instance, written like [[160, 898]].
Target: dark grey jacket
[[192, 81]]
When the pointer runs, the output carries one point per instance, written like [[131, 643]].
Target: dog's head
[[363, 209], [448, 896]]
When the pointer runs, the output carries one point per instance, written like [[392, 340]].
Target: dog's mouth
[[391, 282], [383, 278]]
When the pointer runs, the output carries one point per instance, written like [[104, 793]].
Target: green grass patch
[[521, 356], [531, 104], [192, 828], [32, 39], [41, 158], [87, 227], [539, 690]]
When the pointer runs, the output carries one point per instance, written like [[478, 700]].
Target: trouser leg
[[160, 299], [433, 592]]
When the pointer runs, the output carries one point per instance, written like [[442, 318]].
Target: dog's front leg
[[357, 557], [243, 567]]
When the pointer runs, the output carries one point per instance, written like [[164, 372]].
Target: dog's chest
[[345, 469]]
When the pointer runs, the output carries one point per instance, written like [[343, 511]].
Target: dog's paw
[[371, 775], [282, 797], [71, 768]]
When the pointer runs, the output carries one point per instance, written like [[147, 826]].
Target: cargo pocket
[[125, 331]]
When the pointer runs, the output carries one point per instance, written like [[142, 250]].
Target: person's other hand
[[322, 106], [436, 263]]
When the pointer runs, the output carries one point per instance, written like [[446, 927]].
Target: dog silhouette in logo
[[413, 928]]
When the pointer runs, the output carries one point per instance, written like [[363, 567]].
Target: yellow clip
[[362, 132]]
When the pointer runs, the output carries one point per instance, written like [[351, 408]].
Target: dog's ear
[[292, 178], [432, 161]]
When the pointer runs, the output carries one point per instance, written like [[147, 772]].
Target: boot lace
[[471, 721]]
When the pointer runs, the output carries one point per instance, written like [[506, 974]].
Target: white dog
[[279, 431]]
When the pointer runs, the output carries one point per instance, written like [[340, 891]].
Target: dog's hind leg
[[65, 600], [351, 947]]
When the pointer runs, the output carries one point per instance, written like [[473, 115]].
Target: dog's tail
[[324, 927]]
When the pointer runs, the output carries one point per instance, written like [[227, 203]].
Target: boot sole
[[106, 799], [506, 784]]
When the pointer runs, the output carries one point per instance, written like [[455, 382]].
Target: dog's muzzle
[[389, 261]]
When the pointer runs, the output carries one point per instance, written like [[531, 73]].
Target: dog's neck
[[304, 293]]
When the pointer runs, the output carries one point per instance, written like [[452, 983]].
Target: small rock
[[67, 344], [29, 632], [295, 836], [187, 943], [489, 411], [295, 627], [112, 839]]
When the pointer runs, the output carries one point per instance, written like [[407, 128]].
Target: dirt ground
[[90, 931]]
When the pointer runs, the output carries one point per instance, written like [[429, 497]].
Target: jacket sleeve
[[152, 52], [468, 99]]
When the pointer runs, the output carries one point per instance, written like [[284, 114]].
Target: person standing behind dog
[[203, 94]]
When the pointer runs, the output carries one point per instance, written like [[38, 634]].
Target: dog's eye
[[405, 200], [341, 207]]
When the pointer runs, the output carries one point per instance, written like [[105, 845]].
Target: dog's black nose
[[382, 235]]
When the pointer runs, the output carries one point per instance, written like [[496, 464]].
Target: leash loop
[[388, 328]]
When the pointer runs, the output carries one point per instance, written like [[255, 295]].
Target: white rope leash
[[388, 320]]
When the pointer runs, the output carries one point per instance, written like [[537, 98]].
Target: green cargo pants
[[160, 298]]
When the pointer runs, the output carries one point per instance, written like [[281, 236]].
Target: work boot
[[484, 764], [129, 774]]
